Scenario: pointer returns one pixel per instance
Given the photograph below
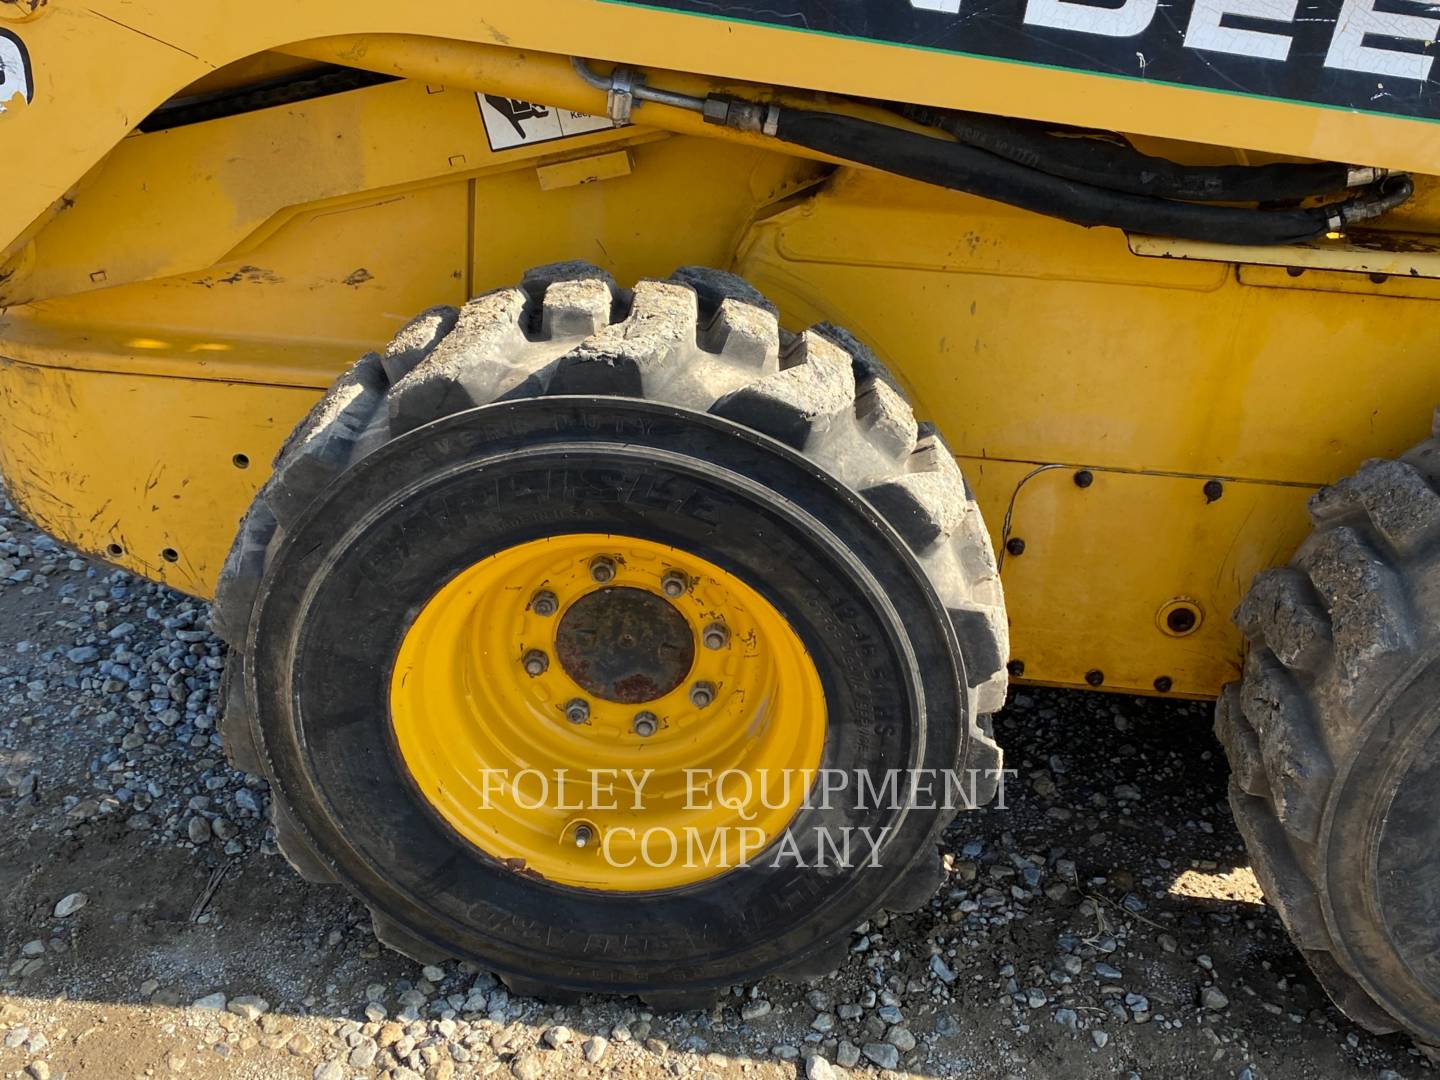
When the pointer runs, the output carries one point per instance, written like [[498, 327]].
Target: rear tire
[[1333, 738], [693, 375]]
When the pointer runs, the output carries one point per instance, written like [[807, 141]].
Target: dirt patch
[[1103, 922]]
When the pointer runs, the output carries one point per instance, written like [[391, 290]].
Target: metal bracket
[[620, 98]]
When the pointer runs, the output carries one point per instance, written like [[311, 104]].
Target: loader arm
[[80, 78]]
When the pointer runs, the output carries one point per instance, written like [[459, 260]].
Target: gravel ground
[[1104, 922]]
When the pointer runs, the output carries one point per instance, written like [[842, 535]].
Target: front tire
[[779, 472], [1333, 738]]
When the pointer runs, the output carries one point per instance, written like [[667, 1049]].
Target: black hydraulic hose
[[1006, 173], [978, 172], [1120, 167]]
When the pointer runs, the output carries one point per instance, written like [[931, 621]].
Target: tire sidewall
[[1360, 895]]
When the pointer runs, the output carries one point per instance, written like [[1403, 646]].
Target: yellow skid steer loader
[[600, 609]]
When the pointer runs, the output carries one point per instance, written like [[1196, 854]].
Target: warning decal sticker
[[510, 123]]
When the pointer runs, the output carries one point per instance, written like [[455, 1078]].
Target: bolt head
[[702, 694], [602, 569], [535, 662], [1015, 546], [674, 584], [544, 603], [715, 636], [645, 724], [577, 710]]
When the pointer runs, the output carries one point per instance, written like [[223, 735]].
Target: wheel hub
[[537, 687], [625, 645]]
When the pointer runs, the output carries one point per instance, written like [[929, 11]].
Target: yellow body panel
[[1155, 542], [172, 302], [1027, 339], [141, 470]]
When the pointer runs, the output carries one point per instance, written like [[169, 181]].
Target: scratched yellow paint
[[141, 470]]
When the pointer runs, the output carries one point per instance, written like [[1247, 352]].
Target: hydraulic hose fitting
[[742, 115]]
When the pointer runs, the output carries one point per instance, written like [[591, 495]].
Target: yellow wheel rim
[[608, 713]]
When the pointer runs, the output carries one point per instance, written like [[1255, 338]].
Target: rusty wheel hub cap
[[625, 644]]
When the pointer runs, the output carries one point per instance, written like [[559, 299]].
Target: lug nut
[[645, 724], [544, 603], [715, 636], [602, 569], [535, 663], [583, 836], [674, 583], [577, 710], [702, 694]]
